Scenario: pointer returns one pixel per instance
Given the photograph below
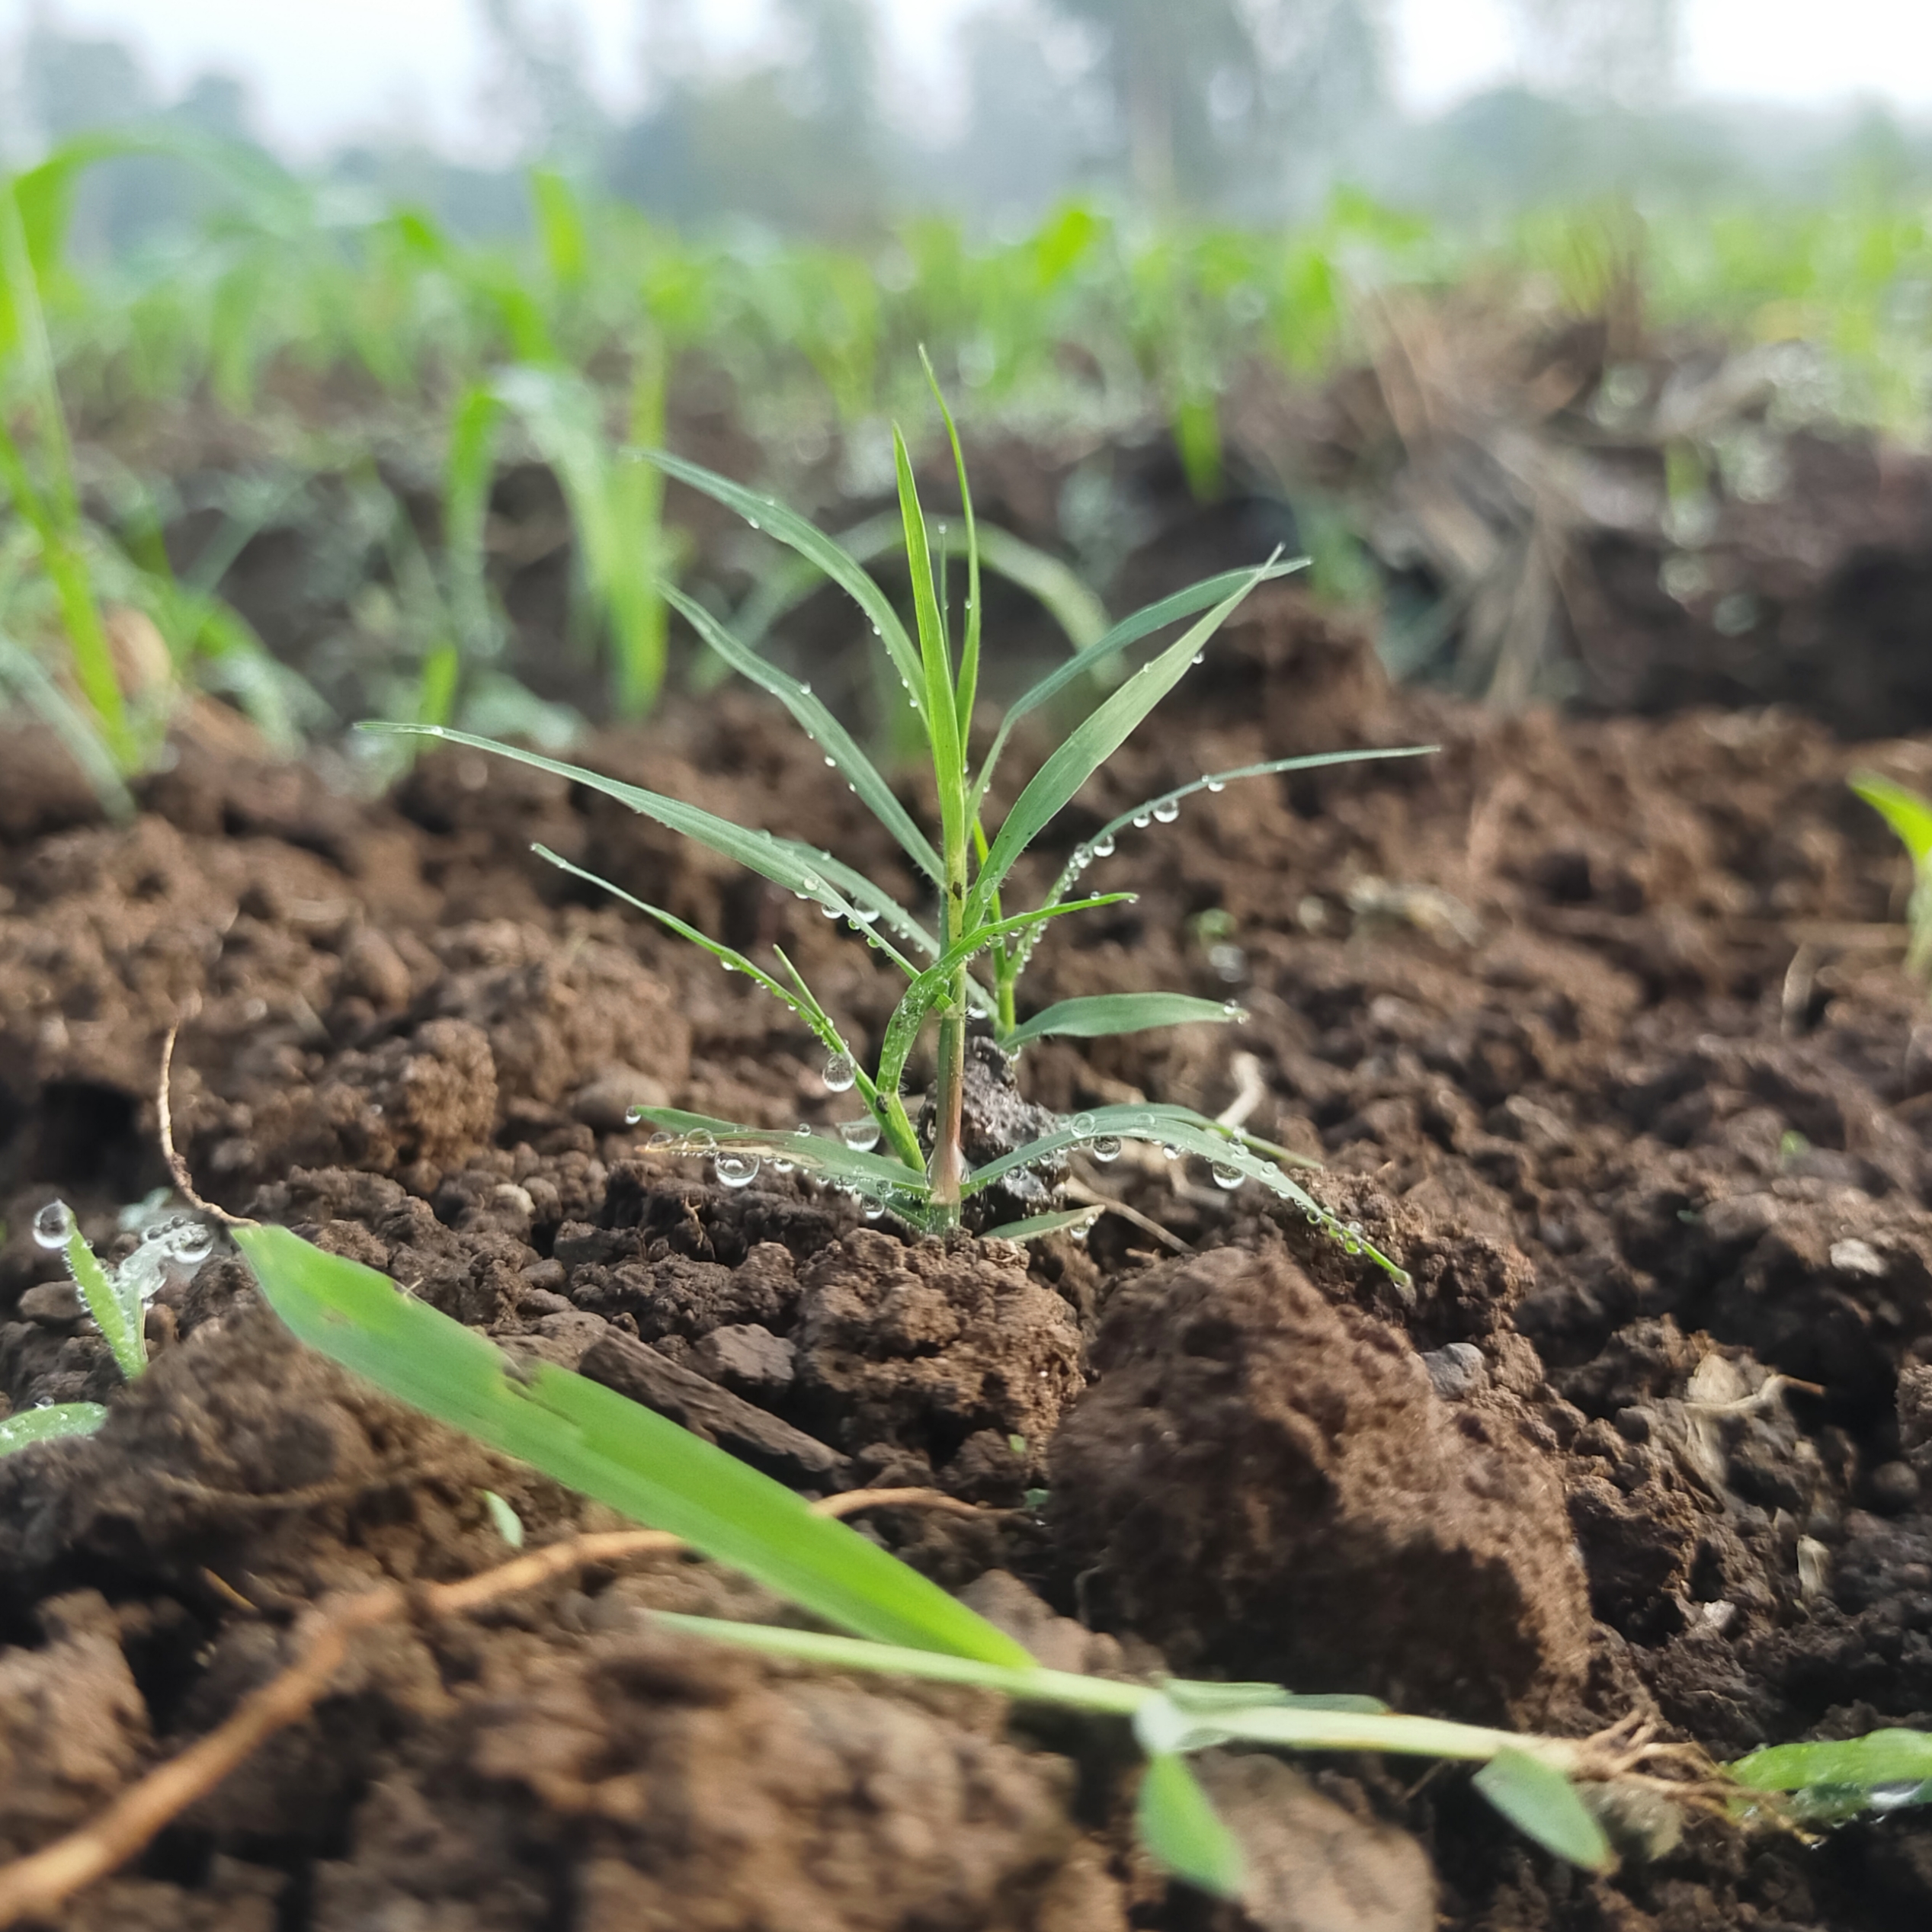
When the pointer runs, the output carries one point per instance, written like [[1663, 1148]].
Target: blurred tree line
[[1252, 109]]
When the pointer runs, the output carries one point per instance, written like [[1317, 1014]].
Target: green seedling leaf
[[50, 1424], [814, 1153], [933, 984], [938, 707], [1129, 630], [1078, 613], [595, 1441], [967, 690], [820, 727], [1036, 1225], [786, 864], [1103, 1015], [766, 513], [1178, 1824], [1543, 1804], [118, 1316], [1088, 746], [1880, 1758], [1182, 1129], [1910, 816], [1205, 1698], [807, 1009]]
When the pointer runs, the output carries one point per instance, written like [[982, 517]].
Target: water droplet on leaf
[[1105, 1147], [861, 1136], [1103, 846], [1227, 1177], [839, 1076], [736, 1167], [53, 1224], [1142, 820], [1167, 811]]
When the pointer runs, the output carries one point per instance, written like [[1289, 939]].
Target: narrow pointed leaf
[[1034, 1226], [820, 727], [814, 1153], [49, 1424], [1129, 630], [1908, 815], [596, 1441], [1880, 1757], [1178, 1823], [1088, 746], [967, 687], [938, 700], [1543, 1804], [764, 513], [1101, 1015], [781, 860], [119, 1316]]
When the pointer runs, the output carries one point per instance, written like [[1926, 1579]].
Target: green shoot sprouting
[[1910, 816], [962, 961]]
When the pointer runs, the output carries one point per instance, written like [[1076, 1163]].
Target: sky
[[324, 70]]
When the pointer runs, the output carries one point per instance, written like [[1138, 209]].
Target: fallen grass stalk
[[39, 1886]]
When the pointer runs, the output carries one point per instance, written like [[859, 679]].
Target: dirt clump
[[1264, 1482]]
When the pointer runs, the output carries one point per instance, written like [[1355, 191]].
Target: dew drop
[[1235, 1011], [1200, 657], [1170, 1153], [194, 1242], [1227, 1177], [1216, 784], [702, 1142], [1142, 820], [839, 1073], [754, 522], [1103, 846], [1167, 811], [735, 1168], [806, 689], [1083, 1124], [874, 1209], [833, 763], [1105, 1147], [1313, 1217], [865, 914], [830, 911], [53, 1224], [861, 1136]]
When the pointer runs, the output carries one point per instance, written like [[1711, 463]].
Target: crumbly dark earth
[[1598, 1025]]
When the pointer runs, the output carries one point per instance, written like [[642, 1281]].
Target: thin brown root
[[1078, 1191], [36, 1887], [165, 1122]]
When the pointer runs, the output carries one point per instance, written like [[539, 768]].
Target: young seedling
[[962, 963], [117, 1298], [1910, 816]]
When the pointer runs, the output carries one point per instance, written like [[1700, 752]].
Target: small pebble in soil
[[1457, 1370], [1894, 1487]]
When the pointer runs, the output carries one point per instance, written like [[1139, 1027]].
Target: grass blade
[[119, 1317], [815, 1153], [1178, 1824], [1102, 1015], [820, 727], [1543, 1804], [939, 705], [1089, 745], [967, 689], [1034, 1226], [764, 513], [1129, 630], [595, 1441], [50, 1424], [1880, 1757], [784, 861]]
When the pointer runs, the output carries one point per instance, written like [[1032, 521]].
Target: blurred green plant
[[1910, 816]]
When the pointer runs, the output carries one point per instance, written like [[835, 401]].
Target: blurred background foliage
[[351, 434]]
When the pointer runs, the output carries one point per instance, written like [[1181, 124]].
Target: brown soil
[[1595, 1026]]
